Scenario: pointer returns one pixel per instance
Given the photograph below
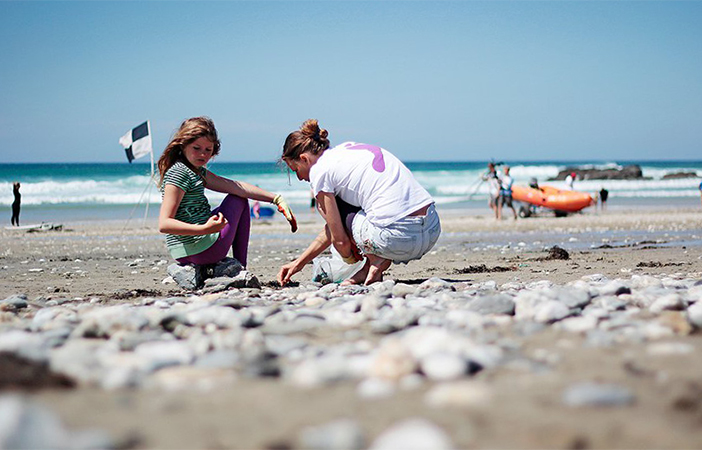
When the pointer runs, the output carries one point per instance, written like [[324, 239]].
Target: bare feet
[[376, 268], [359, 277], [371, 271]]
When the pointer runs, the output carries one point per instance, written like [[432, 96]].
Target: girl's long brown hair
[[189, 131], [310, 138]]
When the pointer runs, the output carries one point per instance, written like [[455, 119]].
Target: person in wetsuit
[[604, 194], [16, 204]]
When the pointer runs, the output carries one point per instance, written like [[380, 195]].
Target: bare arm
[[321, 243], [246, 190], [167, 223], [238, 188]]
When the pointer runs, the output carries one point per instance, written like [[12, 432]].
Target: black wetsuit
[[16, 207], [604, 193]]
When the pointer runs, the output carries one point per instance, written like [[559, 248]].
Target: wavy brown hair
[[310, 138], [189, 131]]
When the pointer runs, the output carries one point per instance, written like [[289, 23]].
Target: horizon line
[[612, 160]]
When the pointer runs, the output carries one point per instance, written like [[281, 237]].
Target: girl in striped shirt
[[194, 233]]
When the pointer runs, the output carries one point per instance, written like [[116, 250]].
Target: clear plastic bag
[[333, 269]]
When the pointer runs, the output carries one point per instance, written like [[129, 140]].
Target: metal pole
[[482, 180], [151, 178]]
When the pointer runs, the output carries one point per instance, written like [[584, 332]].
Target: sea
[[120, 191]]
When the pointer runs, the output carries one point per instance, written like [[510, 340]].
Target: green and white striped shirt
[[193, 209]]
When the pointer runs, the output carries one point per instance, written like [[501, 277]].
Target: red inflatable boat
[[553, 198]]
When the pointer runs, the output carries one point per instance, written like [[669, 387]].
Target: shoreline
[[70, 213]]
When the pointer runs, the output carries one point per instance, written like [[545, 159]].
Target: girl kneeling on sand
[[368, 199], [194, 233]]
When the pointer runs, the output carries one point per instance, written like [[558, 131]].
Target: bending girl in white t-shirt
[[368, 199]]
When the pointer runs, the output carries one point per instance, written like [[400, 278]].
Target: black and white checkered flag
[[137, 141]]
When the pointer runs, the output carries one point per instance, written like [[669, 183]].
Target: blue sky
[[453, 80]]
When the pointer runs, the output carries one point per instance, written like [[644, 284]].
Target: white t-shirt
[[506, 183], [494, 183], [370, 177]]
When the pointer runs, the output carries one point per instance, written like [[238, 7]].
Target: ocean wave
[[446, 186], [656, 194]]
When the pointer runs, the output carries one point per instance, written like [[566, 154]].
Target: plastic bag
[[333, 269]]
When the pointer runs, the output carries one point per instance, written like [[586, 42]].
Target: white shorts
[[405, 240]]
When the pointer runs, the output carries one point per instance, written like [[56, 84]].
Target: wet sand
[[99, 262]]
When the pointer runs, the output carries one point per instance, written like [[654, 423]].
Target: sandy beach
[[616, 369]]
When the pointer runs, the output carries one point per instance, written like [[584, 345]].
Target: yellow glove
[[350, 259], [284, 208], [355, 256]]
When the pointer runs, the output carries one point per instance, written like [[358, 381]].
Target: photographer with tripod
[[494, 183]]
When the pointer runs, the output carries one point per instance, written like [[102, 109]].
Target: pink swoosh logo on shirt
[[378, 161]]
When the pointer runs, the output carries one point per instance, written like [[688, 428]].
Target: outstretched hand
[[286, 272], [284, 208]]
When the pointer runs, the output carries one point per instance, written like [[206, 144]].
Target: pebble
[[493, 304], [612, 303], [459, 394], [403, 290], [392, 361], [375, 388], [413, 434], [443, 366], [694, 314], [669, 302], [340, 434], [187, 277], [16, 302], [597, 394], [551, 311], [162, 354], [581, 324]]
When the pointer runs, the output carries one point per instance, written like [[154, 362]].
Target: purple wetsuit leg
[[234, 235]]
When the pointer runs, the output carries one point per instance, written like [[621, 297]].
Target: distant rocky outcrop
[[632, 172], [677, 175]]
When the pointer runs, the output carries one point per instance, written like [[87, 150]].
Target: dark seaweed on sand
[[482, 268]]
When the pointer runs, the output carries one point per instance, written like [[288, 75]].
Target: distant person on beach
[[505, 198], [570, 180], [194, 233], [701, 190], [493, 180], [256, 209], [604, 194], [16, 204], [369, 201]]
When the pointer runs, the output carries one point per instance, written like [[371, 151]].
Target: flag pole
[[135, 142], [151, 178]]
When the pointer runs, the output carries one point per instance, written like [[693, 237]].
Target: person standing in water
[[16, 204]]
